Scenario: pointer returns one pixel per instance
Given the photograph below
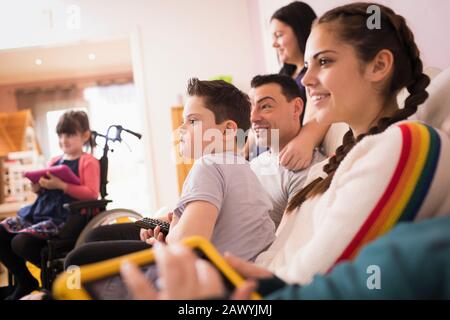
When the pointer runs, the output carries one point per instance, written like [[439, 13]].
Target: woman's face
[[335, 79], [285, 42]]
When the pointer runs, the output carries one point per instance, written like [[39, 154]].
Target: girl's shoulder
[[408, 134], [403, 142], [88, 158], [411, 125]]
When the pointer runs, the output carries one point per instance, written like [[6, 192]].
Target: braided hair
[[349, 23]]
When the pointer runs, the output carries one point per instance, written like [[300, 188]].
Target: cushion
[[436, 109]]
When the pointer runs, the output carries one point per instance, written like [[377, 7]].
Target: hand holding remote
[[155, 229]]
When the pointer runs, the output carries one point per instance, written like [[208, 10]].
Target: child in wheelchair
[[22, 236]]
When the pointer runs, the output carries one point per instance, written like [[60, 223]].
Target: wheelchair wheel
[[106, 218]]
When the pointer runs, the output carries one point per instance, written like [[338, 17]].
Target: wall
[[7, 99], [428, 19], [178, 40]]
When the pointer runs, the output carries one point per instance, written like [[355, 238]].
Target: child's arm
[[88, 191], [51, 182], [298, 153], [198, 218], [90, 188], [35, 187]]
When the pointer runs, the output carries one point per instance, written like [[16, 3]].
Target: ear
[[299, 106], [86, 135], [381, 66], [230, 127]]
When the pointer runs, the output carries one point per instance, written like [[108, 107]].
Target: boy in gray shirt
[[243, 225], [222, 199]]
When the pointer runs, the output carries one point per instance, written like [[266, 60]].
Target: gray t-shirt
[[280, 183], [243, 225]]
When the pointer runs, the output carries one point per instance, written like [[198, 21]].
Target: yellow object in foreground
[[35, 271], [102, 280]]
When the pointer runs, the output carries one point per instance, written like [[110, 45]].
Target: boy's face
[[272, 111], [199, 134]]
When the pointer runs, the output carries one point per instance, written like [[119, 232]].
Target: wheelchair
[[84, 216]]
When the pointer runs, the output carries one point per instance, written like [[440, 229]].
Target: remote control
[[149, 223]]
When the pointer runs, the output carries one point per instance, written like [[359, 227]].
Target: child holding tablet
[[21, 237]]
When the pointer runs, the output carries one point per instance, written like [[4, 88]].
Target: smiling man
[[276, 108]]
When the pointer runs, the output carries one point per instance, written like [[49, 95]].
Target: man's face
[[271, 112]]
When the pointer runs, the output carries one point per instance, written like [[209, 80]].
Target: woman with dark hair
[[291, 26]]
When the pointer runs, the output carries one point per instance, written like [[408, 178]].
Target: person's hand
[[182, 274], [52, 182], [247, 269], [35, 187], [297, 154], [157, 236], [151, 236], [145, 234]]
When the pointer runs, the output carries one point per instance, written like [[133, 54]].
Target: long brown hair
[[349, 24], [299, 16]]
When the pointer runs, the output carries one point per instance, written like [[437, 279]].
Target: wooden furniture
[[10, 209], [16, 135], [2, 181], [183, 166], [13, 132]]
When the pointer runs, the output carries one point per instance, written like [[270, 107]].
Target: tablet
[[102, 280], [61, 171]]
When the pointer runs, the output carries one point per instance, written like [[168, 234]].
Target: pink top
[[89, 171]]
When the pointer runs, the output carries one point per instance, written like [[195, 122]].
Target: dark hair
[[224, 100], [299, 16], [289, 87], [73, 122], [349, 24]]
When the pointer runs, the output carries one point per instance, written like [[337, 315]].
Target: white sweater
[[402, 174]]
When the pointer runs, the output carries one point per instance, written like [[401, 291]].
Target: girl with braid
[[388, 169]]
